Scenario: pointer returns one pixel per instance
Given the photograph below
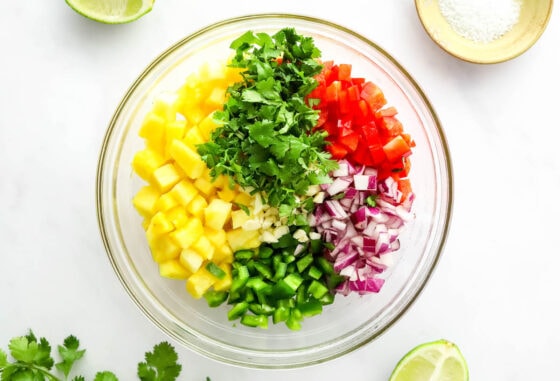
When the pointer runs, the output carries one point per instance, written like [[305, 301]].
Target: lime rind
[[112, 11], [433, 361]]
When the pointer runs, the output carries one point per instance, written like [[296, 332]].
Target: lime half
[[112, 11], [434, 361]]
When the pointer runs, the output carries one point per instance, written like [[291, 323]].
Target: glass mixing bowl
[[350, 322]]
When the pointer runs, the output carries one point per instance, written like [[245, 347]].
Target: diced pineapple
[[200, 282], [204, 247], [184, 192], [174, 130], [185, 236], [227, 194], [177, 216], [153, 129], [165, 202], [239, 239], [173, 269], [194, 113], [188, 159], [165, 105], [165, 177], [216, 98], [207, 126], [221, 181], [223, 253], [243, 198], [159, 224], [224, 283], [145, 162], [238, 218], [145, 200], [205, 186], [193, 137], [217, 237], [197, 205], [217, 213], [191, 260], [164, 249]]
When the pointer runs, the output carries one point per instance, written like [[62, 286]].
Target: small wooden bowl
[[533, 18]]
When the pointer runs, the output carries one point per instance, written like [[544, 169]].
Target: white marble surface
[[496, 291]]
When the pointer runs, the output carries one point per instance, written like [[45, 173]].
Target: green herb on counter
[[32, 361]]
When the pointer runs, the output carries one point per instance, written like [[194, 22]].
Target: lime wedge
[[434, 361], [111, 11]]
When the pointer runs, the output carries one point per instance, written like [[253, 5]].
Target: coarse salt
[[481, 21]]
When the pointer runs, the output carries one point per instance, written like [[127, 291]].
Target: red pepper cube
[[396, 149], [345, 72], [373, 95]]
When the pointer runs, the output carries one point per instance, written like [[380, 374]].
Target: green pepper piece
[[243, 255], [265, 251], [334, 280], [304, 262], [310, 307], [238, 310], [314, 272], [328, 298], [317, 289], [260, 321], [280, 314], [240, 279], [280, 271], [215, 298], [325, 265], [264, 270], [215, 270], [261, 309]]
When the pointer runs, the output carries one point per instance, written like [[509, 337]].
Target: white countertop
[[495, 292]]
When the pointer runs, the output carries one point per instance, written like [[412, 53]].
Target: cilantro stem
[[41, 369]]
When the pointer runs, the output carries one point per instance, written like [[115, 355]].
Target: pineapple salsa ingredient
[[239, 164]]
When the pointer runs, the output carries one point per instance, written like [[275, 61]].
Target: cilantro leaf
[[160, 364], [3, 359], [105, 376], [70, 354], [266, 138], [27, 350]]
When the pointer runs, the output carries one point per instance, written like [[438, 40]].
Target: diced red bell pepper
[[373, 95], [337, 150], [344, 72], [396, 149]]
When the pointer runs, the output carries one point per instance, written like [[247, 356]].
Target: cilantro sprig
[[32, 361], [266, 140]]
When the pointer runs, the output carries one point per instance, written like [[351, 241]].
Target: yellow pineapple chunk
[[243, 198], [239, 239], [197, 205], [153, 129], [173, 269], [191, 260], [145, 200], [217, 213], [227, 194], [204, 247], [165, 202], [145, 162], [216, 98], [163, 249], [238, 218], [205, 186], [174, 130], [217, 237], [166, 105], [177, 216], [225, 283], [166, 176], [193, 137], [200, 282], [159, 224], [188, 159], [184, 192], [185, 236], [223, 254], [207, 126]]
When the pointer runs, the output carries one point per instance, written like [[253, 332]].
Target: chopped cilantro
[[266, 139]]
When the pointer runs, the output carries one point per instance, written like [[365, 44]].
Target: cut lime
[[112, 11], [434, 361]]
